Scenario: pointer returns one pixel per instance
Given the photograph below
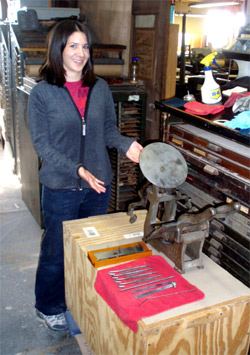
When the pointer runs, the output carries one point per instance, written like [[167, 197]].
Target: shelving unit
[[131, 116], [6, 89]]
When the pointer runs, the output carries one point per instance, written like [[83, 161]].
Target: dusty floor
[[21, 331]]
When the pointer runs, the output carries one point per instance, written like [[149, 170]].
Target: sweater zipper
[[83, 125]]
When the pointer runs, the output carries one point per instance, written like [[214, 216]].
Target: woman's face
[[75, 55]]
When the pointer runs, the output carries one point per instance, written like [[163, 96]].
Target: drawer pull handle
[[214, 148], [214, 159], [210, 170], [214, 243]]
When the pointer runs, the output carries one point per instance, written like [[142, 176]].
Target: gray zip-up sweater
[[56, 130]]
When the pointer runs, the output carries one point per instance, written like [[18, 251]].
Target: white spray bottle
[[210, 90]]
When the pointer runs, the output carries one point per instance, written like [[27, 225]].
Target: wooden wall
[[111, 21], [114, 22]]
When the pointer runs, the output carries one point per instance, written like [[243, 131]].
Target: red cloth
[[197, 108], [128, 308], [233, 97]]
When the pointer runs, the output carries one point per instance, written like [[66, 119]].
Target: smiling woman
[[72, 121], [75, 56]]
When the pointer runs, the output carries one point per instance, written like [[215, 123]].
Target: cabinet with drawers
[[218, 162]]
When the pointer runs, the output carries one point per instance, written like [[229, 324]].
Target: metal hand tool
[[130, 269], [134, 276], [173, 284], [169, 294], [146, 283], [151, 286], [121, 284], [131, 272]]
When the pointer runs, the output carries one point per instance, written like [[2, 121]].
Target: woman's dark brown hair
[[52, 70]]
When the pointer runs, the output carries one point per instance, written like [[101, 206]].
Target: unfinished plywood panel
[[89, 310], [171, 62], [214, 330], [219, 324]]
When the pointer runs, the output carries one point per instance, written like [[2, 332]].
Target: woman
[[72, 120]]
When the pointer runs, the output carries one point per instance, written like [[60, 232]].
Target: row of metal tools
[[141, 276]]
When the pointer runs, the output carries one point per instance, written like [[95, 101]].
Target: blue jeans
[[59, 206]]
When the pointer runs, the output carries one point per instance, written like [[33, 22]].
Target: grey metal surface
[[121, 284], [152, 286], [119, 252], [117, 272], [29, 162], [173, 284], [163, 165], [146, 283], [133, 277]]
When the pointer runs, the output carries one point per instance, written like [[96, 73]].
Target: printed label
[[177, 141], [91, 232], [215, 93], [133, 235], [200, 152]]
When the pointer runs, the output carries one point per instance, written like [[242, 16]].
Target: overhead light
[[212, 3], [189, 14]]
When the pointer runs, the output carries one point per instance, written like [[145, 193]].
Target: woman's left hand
[[134, 152], [95, 183]]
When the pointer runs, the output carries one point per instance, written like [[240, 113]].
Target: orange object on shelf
[[119, 259]]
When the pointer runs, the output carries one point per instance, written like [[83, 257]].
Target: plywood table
[[218, 324]]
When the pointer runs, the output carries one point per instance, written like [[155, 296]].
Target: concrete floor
[[21, 331]]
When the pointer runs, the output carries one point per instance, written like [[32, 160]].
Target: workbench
[[217, 324], [211, 123]]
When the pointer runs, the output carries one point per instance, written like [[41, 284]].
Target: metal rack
[[6, 84], [131, 116], [12, 69]]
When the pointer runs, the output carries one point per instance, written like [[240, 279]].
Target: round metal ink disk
[[163, 165]]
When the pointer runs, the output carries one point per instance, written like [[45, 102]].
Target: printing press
[[173, 224]]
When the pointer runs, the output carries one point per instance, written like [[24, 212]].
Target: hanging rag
[[233, 97]]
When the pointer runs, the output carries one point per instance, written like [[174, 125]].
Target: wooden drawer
[[212, 152], [215, 145], [217, 181]]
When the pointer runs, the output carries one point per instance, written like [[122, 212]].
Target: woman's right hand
[[95, 183]]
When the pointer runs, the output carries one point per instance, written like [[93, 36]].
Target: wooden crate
[[218, 324]]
